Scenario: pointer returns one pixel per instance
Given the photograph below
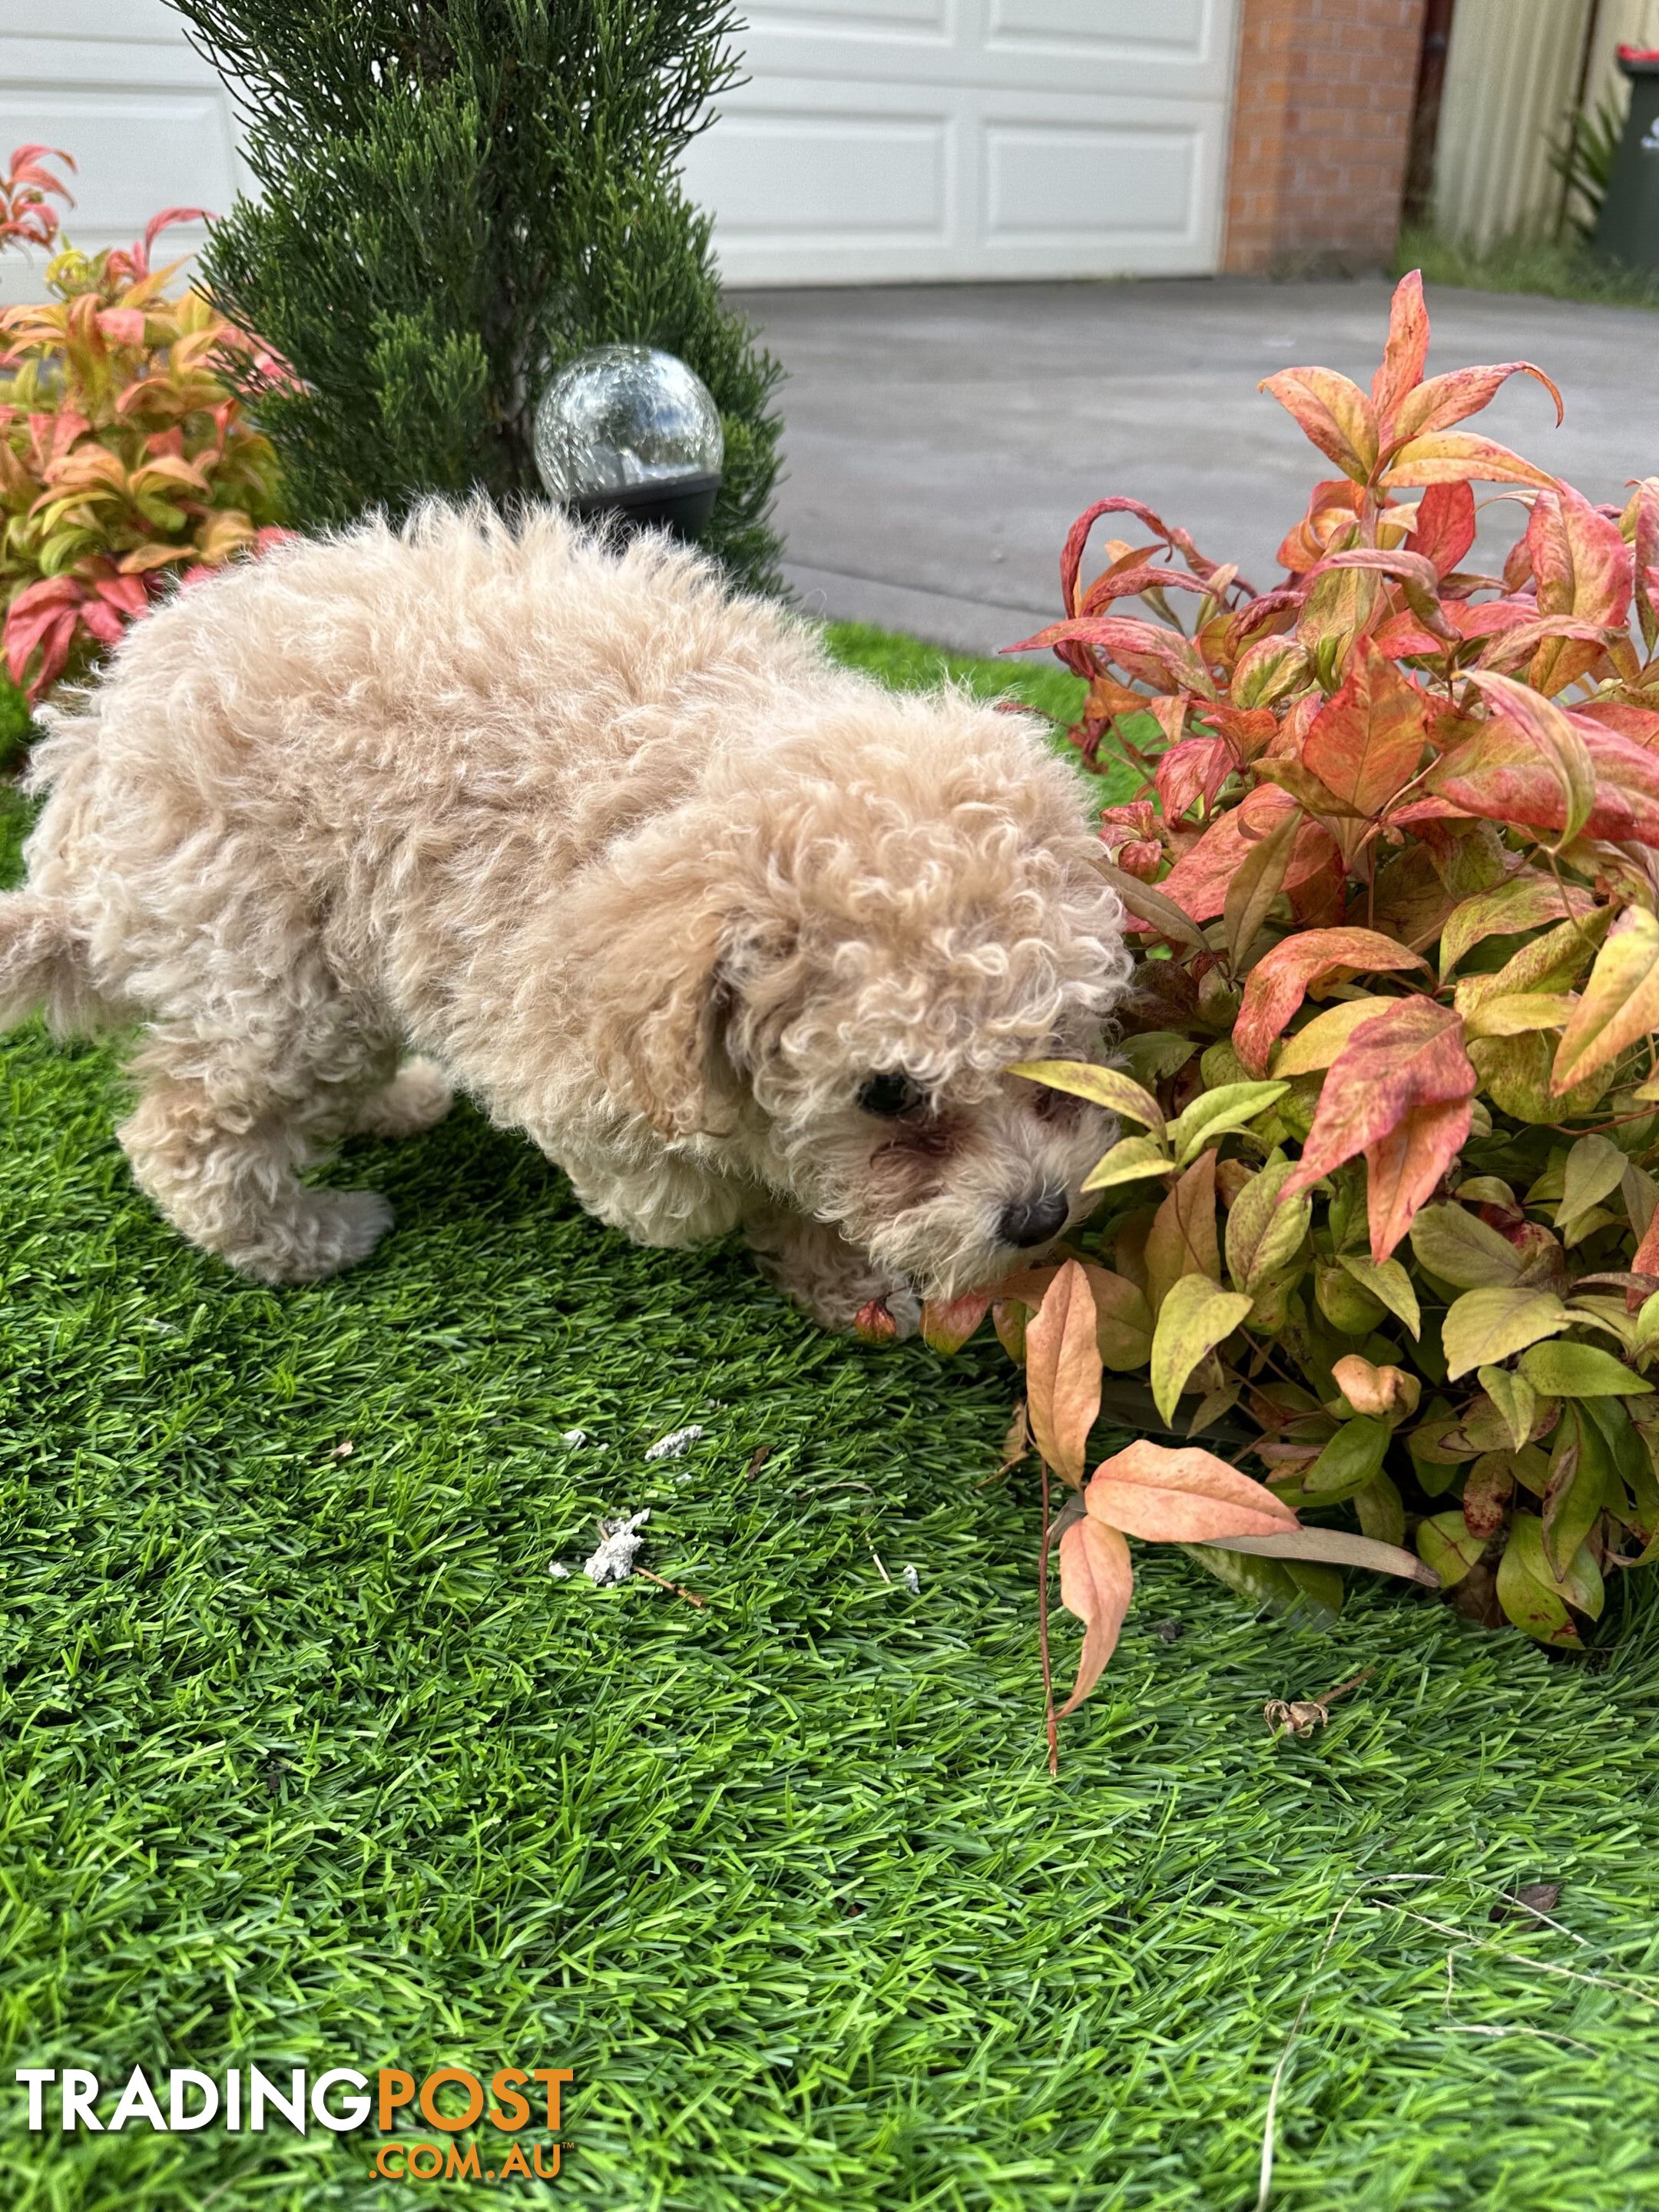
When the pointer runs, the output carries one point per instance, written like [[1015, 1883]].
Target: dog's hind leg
[[417, 1098], [219, 1137]]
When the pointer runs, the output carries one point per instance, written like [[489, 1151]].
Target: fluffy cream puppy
[[738, 939]]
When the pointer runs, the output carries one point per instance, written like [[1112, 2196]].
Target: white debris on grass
[[912, 1581], [676, 1443], [558, 1569], [619, 1539], [575, 1438]]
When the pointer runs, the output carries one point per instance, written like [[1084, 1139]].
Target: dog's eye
[[889, 1097]]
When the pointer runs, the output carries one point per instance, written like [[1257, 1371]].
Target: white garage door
[[113, 82], [916, 139], [876, 140]]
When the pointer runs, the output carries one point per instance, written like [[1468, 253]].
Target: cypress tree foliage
[[457, 196]]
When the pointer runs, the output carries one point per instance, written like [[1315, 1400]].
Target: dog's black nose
[[1035, 1220]]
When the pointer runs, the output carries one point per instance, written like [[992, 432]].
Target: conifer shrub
[[453, 202]]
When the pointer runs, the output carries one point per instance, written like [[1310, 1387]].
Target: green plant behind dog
[[1387, 1185], [454, 201]]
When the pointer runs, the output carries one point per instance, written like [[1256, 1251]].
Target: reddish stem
[[1049, 1721]]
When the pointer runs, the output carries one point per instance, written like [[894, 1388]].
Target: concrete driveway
[[941, 439]]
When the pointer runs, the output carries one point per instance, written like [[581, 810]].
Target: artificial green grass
[[308, 1760], [1560, 269]]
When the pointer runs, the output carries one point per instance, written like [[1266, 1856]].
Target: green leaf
[[1348, 1462], [1151, 1054], [1129, 1161], [1580, 1471], [1443, 1542], [1106, 1086], [1387, 1282], [1594, 1169], [1463, 1249], [1283, 1586], [1485, 1326], [1213, 1113], [1264, 1232], [1123, 1320], [1195, 1315], [1528, 1592], [1255, 884], [1579, 1371], [1515, 1399], [1382, 1510], [1518, 1013]]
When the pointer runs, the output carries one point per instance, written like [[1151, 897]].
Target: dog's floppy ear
[[650, 950]]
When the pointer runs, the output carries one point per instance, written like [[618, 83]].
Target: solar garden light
[[630, 431]]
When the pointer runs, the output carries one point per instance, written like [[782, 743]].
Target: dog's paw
[[327, 1232], [417, 1097]]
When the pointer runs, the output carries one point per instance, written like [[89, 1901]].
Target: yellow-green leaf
[[1443, 1542], [1620, 1004], [1528, 1592], [1520, 1013], [1213, 1113], [1485, 1326], [1463, 1249], [1387, 1282], [1196, 1314], [1318, 1044], [1515, 1399], [1106, 1086], [1130, 1160], [1594, 1169], [1578, 1370], [1264, 1231]]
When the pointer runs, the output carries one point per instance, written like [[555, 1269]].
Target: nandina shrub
[[1385, 1200], [125, 459]]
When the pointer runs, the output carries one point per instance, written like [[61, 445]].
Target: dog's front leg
[[813, 1265]]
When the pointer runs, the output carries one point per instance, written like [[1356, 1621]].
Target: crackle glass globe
[[631, 431]]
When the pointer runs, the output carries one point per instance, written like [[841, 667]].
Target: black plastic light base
[[683, 507]]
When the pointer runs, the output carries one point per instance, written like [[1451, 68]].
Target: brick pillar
[[1321, 128]]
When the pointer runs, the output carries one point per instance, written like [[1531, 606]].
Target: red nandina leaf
[[1063, 1372], [1407, 351], [1123, 581], [875, 1324], [1504, 773], [947, 1323], [1198, 882], [1444, 400], [1280, 981], [1404, 1167], [1444, 529], [102, 622], [1644, 547], [1490, 616], [1184, 1496], [1095, 1583], [1332, 509], [1583, 568], [1332, 411], [1459, 457], [1638, 724], [1143, 647], [1407, 1058], [1071, 559], [1196, 768], [1367, 741]]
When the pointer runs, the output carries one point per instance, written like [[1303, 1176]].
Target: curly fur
[[622, 855]]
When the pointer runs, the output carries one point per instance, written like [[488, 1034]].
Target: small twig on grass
[[1049, 1721], [663, 1582], [880, 1570]]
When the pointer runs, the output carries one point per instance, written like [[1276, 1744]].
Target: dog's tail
[[43, 966]]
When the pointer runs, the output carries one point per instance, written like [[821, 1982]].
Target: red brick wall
[[1321, 123]]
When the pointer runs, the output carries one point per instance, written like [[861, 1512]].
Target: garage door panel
[[1051, 185], [777, 172]]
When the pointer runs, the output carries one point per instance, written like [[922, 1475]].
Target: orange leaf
[[1516, 768], [1280, 981], [1182, 1239], [1407, 349], [1368, 739], [947, 1323], [1332, 411], [1444, 400], [1182, 1496], [1582, 569], [1407, 1058], [1063, 1372], [1198, 882], [1460, 457], [1096, 1583]]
